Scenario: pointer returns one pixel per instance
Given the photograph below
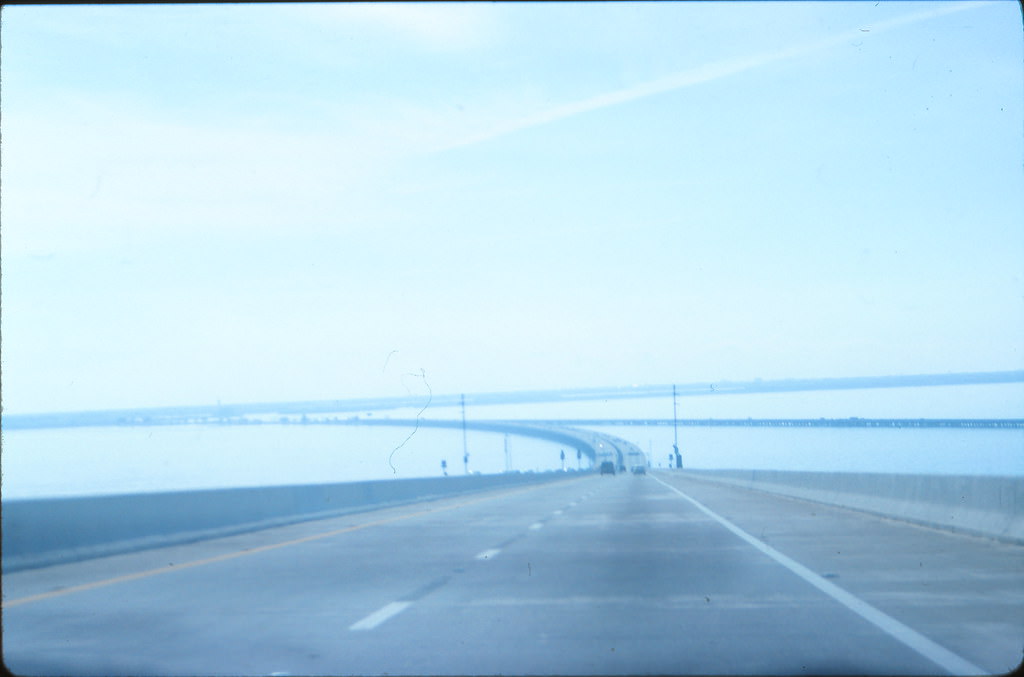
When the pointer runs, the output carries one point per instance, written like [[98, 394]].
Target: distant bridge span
[[213, 413]]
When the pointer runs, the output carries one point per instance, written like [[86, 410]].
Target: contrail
[[709, 73]]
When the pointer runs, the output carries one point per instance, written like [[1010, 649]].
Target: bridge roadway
[[227, 412], [596, 575]]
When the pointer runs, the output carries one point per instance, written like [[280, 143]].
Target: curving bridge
[[226, 412], [594, 445]]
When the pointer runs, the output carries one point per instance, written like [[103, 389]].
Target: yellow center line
[[251, 551]]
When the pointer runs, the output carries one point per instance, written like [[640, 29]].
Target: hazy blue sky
[[268, 202]]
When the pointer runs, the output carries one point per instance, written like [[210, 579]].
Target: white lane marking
[[488, 554], [380, 615], [557, 512], [937, 654], [573, 504], [536, 525]]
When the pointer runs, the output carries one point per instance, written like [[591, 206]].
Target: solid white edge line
[[937, 654], [379, 616], [487, 554]]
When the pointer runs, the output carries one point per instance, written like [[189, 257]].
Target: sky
[[247, 203]]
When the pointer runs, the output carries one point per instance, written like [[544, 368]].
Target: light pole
[[675, 432], [465, 447]]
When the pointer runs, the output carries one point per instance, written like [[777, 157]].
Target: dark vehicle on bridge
[[639, 470], [607, 468]]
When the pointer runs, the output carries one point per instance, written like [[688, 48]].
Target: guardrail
[[46, 531], [982, 505]]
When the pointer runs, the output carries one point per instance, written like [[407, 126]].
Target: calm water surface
[[88, 461]]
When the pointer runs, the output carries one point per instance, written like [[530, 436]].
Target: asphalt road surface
[[597, 575]]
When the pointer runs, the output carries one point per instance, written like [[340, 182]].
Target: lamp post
[[465, 446], [675, 431]]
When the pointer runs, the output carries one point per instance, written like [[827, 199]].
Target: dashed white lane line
[[488, 554], [573, 504], [379, 616], [937, 654], [557, 512], [536, 525]]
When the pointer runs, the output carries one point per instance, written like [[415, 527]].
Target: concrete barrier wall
[[982, 505], [41, 532]]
